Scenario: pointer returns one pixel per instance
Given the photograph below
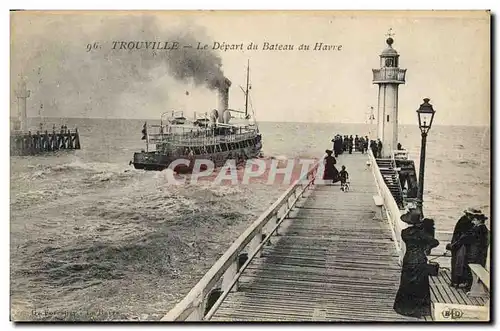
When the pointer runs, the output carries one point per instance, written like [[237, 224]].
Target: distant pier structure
[[25, 142]]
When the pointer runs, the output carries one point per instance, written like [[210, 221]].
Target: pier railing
[[390, 207], [225, 273], [198, 141], [26, 143]]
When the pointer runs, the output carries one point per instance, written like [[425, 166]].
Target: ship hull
[[158, 161]]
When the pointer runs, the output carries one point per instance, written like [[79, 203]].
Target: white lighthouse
[[22, 94], [388, 78]]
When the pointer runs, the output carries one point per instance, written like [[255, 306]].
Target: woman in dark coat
[[330, 172], [470, 246], [413, 297], [458, 249], [350, 144], [478, 248], [337, 145]]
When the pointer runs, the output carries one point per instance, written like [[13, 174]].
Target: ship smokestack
[[223, 97]]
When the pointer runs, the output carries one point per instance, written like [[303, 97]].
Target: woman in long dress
[[478, 249], [459, 247], [471, 247], [458, 252], [413, 297], [330, 172]]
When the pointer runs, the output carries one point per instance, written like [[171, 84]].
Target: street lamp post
[[413, 297], [425, 117]]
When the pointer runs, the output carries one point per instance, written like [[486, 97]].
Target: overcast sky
[[447, 56]]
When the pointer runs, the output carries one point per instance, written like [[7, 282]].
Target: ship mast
[[246, 91]]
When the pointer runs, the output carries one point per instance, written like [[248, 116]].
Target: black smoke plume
[[62, 75]]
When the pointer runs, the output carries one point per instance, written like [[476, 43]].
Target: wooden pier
[[334, 261], [26, 143], [319, 254]]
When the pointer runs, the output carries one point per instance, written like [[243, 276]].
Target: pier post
[[47, 141], [70, 140], [421, 176], [29, 142], [37, 141], [54, 139], [229, 276], [254, 244], [276, 221], [197, 313], [77, 139]]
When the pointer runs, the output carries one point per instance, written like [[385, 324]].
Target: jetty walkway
[[334, 260], [318, 254]]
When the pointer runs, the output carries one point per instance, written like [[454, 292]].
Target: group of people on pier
[[346, 143], [349, 144], [376, 147]]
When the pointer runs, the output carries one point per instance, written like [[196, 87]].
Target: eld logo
[[452, 313]]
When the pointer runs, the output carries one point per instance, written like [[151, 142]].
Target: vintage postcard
[[325, 166]]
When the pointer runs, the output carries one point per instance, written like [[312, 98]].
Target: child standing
[[344, 176]]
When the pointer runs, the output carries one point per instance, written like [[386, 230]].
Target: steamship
[[217, 136]]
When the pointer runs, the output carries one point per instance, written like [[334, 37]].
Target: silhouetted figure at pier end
[[379, 148], [330, 172], [337, 145], [469, 245], [361, 145], [413, 297], [374, 148]]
